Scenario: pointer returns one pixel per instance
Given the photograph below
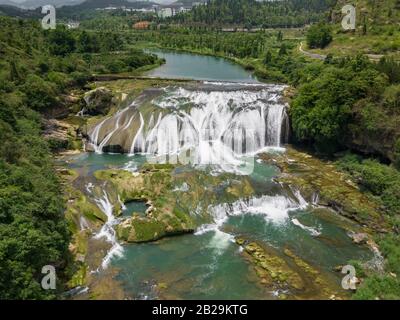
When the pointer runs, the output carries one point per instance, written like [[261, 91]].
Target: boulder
[[98, 101], [359, 238]]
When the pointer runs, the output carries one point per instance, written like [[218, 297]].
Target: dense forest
[[251, 13], [36, 69]]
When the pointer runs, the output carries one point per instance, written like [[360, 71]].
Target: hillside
[[252, 13], [88, 7], [377, 12], [377, 30], [33, 4], [38, 70]]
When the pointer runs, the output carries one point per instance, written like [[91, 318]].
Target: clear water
[[209, 265], [135, 207], [199, 67], [90, 162]]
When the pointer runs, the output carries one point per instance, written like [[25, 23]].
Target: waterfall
[[215, 125], [94, 137], [137, 136], [107, 231], [274, 209]]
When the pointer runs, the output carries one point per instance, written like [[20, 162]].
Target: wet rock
[[311, 175], [359, 238], [60, 134], [271, 269], [152, 184], [338, 268], [98, 101]]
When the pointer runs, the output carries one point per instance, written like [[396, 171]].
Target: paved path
[[310, 54]]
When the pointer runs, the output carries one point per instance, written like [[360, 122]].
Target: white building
[[72, 24], [165, 12]]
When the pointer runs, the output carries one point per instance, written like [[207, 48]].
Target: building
[[141, 25], [72, 24], [165, 12]]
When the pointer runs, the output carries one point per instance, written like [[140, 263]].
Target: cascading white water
[[274, 209], [94, 137], [218, 125], [107, 231]]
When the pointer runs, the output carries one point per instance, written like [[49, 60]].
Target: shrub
[[40, 94], [319, 36]]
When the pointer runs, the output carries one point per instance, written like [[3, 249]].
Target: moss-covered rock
[[314, 176], [270, 268], [288, 273], [154, 184]]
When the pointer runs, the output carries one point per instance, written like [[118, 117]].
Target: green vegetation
[[319, 35], [251, 13], [33, 232], [383, 184], [327, 119], [36, 68]]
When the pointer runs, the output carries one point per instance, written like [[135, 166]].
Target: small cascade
[[138, 140], [314, 232], [123, 207], [315, 199], [107, 231], [94, 136], [274, 209], [83, 223]]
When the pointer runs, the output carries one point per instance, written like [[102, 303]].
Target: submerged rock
[[288, 273], [271, 269]]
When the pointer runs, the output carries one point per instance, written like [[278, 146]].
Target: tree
[[61, 41], [40, 94], [319, 36], [279, 36], [14, 72], [87, 43], [282, 50], [268, 58], [364, 26]]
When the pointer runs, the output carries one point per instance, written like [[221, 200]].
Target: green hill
[[252, 13], [376, 12]]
